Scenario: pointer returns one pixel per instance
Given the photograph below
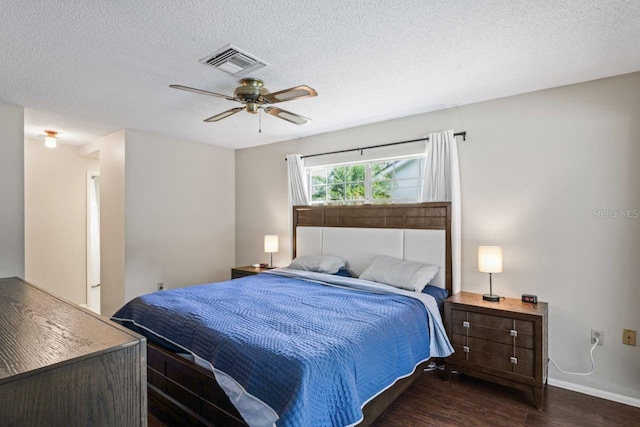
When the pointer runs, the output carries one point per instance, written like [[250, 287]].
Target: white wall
[[534, 168], [112, 220], [180, 214], [56, 218], [11, 191]]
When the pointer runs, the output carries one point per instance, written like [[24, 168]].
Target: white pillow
[[410, 275], [319, 263]]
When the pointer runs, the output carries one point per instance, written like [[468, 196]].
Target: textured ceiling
[[88, 68]]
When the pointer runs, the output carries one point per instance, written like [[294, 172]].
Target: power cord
[[593, 363]]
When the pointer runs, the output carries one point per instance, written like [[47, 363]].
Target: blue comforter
[[313, 354]]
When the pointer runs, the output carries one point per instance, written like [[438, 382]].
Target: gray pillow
[[410, 275], [319, 263]]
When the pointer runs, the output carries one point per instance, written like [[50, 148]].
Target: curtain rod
[[463, 134]]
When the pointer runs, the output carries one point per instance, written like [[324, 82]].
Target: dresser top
[[506, 304], [39, 331]]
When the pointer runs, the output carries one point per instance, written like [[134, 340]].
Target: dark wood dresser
[[61, 365], [504, 342]]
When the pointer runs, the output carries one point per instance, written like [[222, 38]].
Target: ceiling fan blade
[[290, 94], [224, 115], [203, 92], [287, 115]]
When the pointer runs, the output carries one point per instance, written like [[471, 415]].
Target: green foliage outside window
[[345, 183], [393, 180]]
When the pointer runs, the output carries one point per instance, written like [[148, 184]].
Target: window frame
[[368, 181]]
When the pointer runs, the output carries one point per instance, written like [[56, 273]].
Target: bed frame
[[181, 393]]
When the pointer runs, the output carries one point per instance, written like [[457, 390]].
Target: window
[[377, 181]]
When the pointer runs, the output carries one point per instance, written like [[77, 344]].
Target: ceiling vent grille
[[234, 61]]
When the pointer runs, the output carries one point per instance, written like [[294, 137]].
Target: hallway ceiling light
[[50, 139]]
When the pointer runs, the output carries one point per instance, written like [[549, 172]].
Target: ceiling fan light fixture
[[251, 90], [50, 139], [255, 97], [252, 108]]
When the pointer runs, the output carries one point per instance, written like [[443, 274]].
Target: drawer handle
[[513, 333], [514, 360], [465, 349], [465, 324]]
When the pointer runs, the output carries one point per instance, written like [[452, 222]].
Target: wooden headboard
[[418, 216]]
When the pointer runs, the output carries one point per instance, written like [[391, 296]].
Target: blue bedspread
[[315, 354]]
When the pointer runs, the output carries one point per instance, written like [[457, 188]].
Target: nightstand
[[504, 342], [238, 272]]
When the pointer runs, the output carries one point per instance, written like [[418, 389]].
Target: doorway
[[93, 241]]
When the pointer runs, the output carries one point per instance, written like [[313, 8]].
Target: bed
[[194, 383]]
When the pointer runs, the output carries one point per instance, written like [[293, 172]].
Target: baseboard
[[595, 392]]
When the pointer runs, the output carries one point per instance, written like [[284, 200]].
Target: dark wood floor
[[468, 402]]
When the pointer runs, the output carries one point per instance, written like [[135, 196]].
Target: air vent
[[234, 61]]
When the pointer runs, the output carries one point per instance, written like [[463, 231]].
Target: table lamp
[[271, 246], [490, 261]]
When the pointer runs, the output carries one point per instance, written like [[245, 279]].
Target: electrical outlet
[[597, 334], [161, 286], [629, 336]]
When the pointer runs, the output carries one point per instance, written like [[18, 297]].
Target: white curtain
[[442, 184], [298, 190]]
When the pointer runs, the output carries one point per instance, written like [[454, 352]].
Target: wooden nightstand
[[238, 272], [504, 342]]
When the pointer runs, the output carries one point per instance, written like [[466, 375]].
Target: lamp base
[[491, 297]]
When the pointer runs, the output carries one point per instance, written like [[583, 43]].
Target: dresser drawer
[[524, 355], [493, 328], [497, 362], [493, 355]]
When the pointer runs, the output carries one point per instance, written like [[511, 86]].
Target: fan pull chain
[[260, 121]]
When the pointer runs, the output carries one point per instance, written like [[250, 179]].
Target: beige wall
[[11, 191], [56, 218], [534, 168], [167, 214], [112, 220], [262, 203], [180, 215]]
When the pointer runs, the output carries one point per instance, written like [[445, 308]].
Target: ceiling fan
[[254, 96]]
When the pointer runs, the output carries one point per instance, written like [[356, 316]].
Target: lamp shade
[[490, 259], [271, 243]]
